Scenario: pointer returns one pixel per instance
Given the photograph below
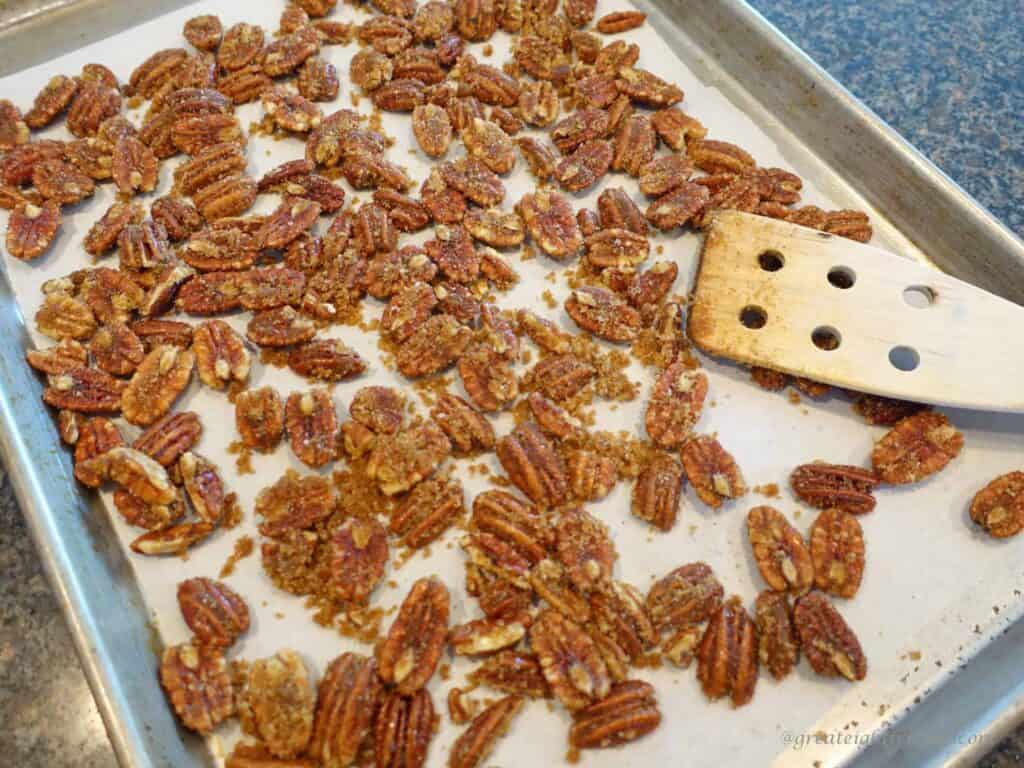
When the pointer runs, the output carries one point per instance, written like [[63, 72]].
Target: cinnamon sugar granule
[[275, 356], [232, 512], [771, 490], [243, 548], [549, 299], [243, 462]]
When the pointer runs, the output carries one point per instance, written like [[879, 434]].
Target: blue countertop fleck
[[949, 76]]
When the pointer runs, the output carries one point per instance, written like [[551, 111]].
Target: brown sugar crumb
[[431, 388], [770, 490], [659, 250], [243, 548], [549, 299], [354, 98], [232, 512], [572, 756], [649, 661], [274, 356], [793, 397], [445, 671], [611, 382], [488, 50], [243, 462], [526, 253], [362, 624], [551, 277]]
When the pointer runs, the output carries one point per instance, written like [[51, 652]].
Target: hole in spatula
[[842, 277], [771, 261], [753, 318], [826, 338], [904, 358], [919, 296]]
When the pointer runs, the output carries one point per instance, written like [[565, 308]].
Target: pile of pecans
[[556, 622]]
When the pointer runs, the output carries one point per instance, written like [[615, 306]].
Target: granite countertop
[[947, 77]]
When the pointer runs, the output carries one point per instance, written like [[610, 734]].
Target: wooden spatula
[[793, 299]]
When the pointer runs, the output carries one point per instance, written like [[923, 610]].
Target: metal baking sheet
[[935, 593]]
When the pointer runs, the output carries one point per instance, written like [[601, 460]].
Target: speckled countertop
[[949, 76]]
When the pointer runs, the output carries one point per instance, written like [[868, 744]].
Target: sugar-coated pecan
[[281, 327], [318, 80], [453, 252], [433, 20], [287, 53], [312, 425], [539, 158], [347, 700], [269, 287], [259, 418], [97, 435], [477, 742], [230, 196], [276, 703], [215, 613], [560, 377], [474, 180], [294, 503], [159, 379], [727, 659], [540, 58], [603, 313], [533, 465], [620, 21], [155, 333], [489, 144], [378, 408], [135, 472], [64, 317], [652, 285], [415, 642], [539, 104], [84, 390], [678, 207], [513, 521], [884, 411], [829, 644], [401, 460], [435, 345], [31, 229], [204, 487], [159, 69], [152, 517], [16, 165], [178, 217], [501, 229], [612, 247], [915, 448], [569, 661], [327, 360], [629, 712], [657, 492], [408, 309], [116, 349], [825, 486], [62, 357], [399, 95], [486, 636], [204, 32], [403, 212], [244, 85], [782, 556], [403, 731], [712, 471], [585, 549], [488, 378], [619, 614], [135, 167], [550, 221], [168, 438], [221, 354], [291, 111], [584, 166], [718, 156], [13, 129], [591, 476], [850, 224], [675, 406], [513, 672], [51, 101], [195, 679], [778, 646], [675, 128], [359, 555], [61, 182], [492, 86], [466, 428], [660, 176], [212, 293], [837, 548], [688, 595], [999, 506], [193, 133], [386, 34], [428, 511], [92, 157], [143, 246]]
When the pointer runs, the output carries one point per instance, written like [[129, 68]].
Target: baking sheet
[[932, 586]]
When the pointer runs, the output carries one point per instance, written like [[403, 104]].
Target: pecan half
[[159, 379], [533, 465], [403, 731], [401, 460], [712, 471], [678, 207], [259, 418], [466, 428], [435, 345], [675, 406], [174, 540], [214, 612], [490, 635], [781, 554], [727, 659], [327, 360], [347, 699], [675, 127], [221, 355], [999, 506], [64, 317], [584, 547], [828, 642], [359, 555], [31, 229], [569, 661], [116, 349], [168, 438], [844, 487], [415, 642], [917, 447], [603, 313], [837, 547], [427, 512], [96, 437], [204, 487], [688, 595], [884, 411], [778, 646], [657, 492], [478, 740], [591, 476], [195, 679], [629, 712], [84, 390], [276, 703], [281, 327], [312, 426]]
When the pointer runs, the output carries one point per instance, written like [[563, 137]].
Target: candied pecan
[[620, 21], [432, 129], [675, 406], [427, 512], [688, 595], [579, 12], [619, 614], [204, 487], [259, 418], [582, 125], [778, 647], [178, 217], [143, 246], [474, 180], [364, 171], [155, 333], [415, 642], [135, 167], [167, 439], [221, 355], [291, 111], [506, 120], [661, 176], [841, 486], [569, 661], [318, 80], [541, 59], [51, 101], [160, 378], [347, 701], [884, 411], [116, 349], [195, 679], [780, 552], [269, 287], [560, 377], [485, 636], [501, 598], [539, 104], [657, 492], [403, 731], [849, 224], [585, 549], [514, 672], [433, 20], [533, 465], [97, 435], [193, 133], [418, 63], [603, 313], [387, 34], [135, 472], [61, 182], [210, 165], [513, 521], [220, 249], [230, 196], [312, 426], [635, 142], [584, 166], [111, 295], [294, 502], [276, 703], [549, 219], [209, 294], [408, 310], [244, 85], [718, 156], [453, 252], [204, 32], [359, 554], [678, 207], [553, 419], [540, 160], [64, 356], [152, 517], [436, 344], [401, 460], [286, 54], [92, 157], [999, 506], [613, 247], [837, 548], [629, 712], [652, 285], [591, 476], [293, 217], [64, 317], [280, 327], [675, 127], [214, 612], [478, 740], [828, 642], [13, 129], [467, 429], [712, 471], [727, 659], [370, 69], [917, 447], [31, 229], [489, 144], [596, 90], [457, 300]]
